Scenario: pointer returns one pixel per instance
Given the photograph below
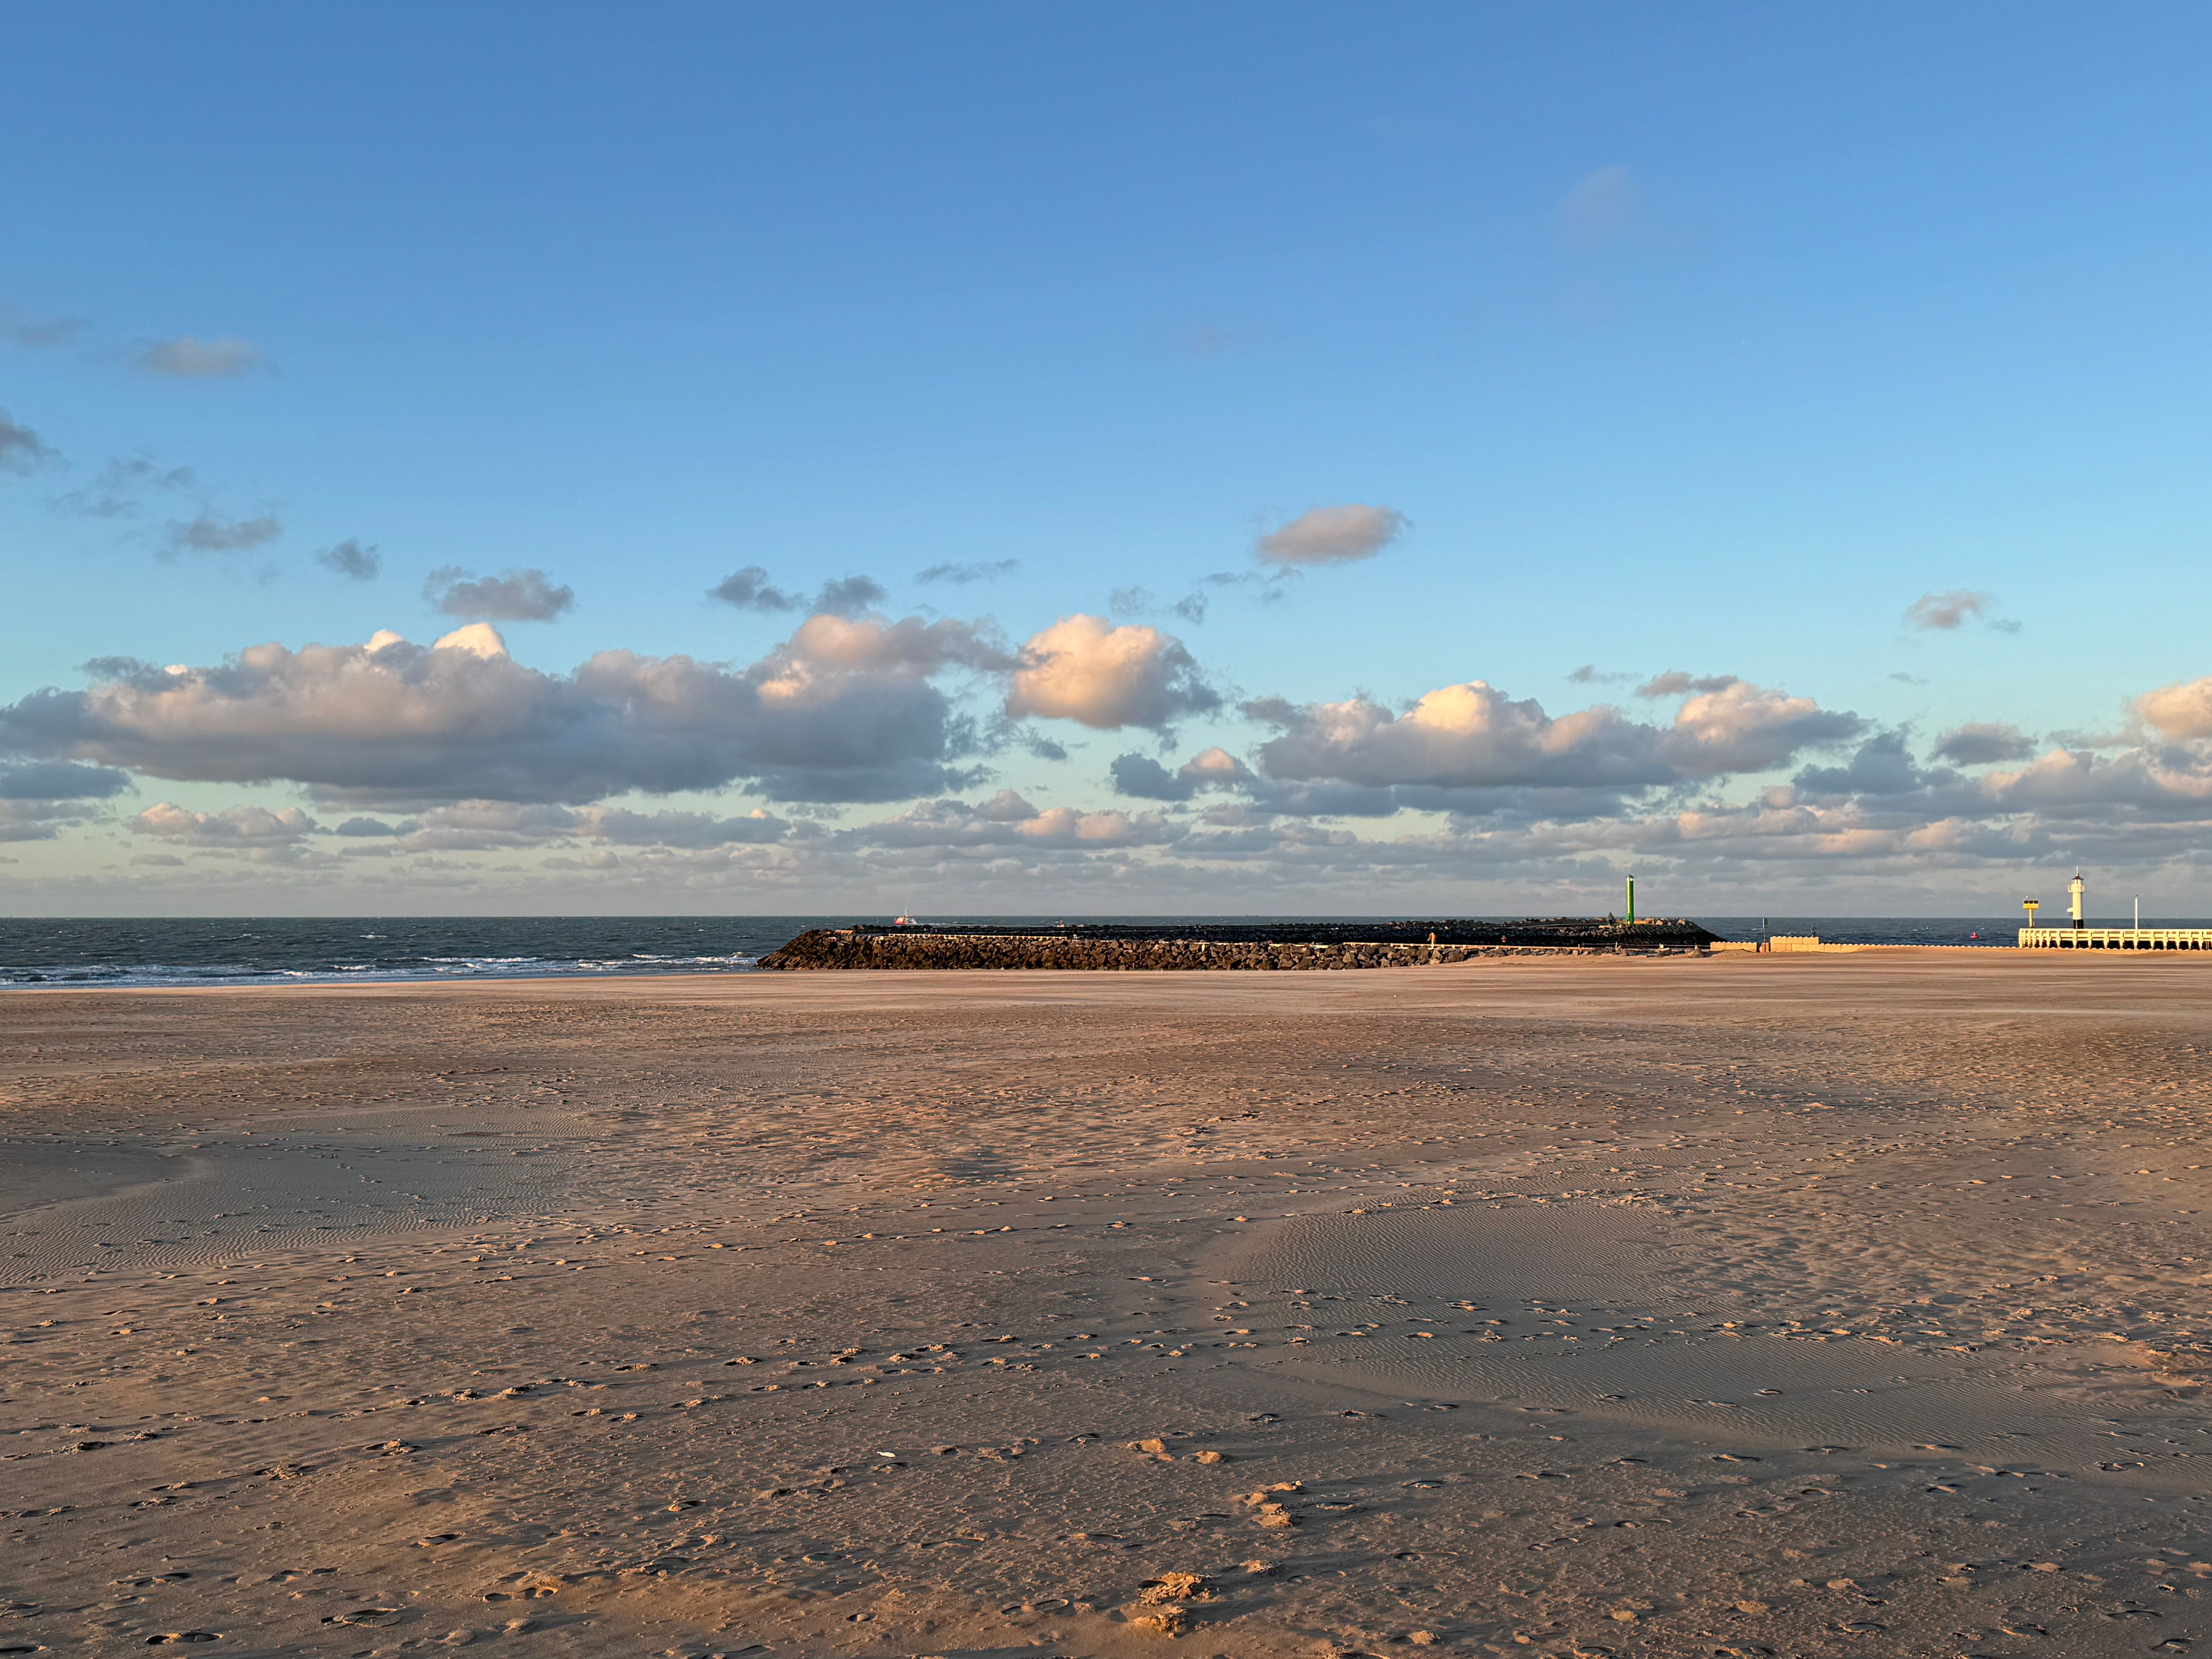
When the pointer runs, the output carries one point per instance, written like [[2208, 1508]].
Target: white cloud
[[828, 643], [232, 826], [1472, 736], [1065, 826], [1332, 535], [1084, 669], [187, 358], [478, 639], [1008, 825], [842, 711], [2138, 783], [2181, 712], [1739, 727]]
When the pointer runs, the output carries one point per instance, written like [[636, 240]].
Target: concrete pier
[[2116, 939]]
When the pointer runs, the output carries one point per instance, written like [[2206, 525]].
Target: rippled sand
[[1846, 1305]]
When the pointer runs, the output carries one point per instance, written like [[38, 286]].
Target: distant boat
[[904, 921]]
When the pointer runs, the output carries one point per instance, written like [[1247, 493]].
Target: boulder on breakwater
[[1226, 948]]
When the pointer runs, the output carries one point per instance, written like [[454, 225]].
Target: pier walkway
[[2116, 939]]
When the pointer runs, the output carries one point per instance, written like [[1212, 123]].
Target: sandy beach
[[1846, 1305]]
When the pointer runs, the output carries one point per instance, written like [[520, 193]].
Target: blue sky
[[1711, 341]]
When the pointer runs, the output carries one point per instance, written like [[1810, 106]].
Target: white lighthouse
[[2082, 937]]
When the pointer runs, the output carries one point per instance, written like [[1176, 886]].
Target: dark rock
[[1227, 947]]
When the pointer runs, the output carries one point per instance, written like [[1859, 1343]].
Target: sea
[[126, 951]]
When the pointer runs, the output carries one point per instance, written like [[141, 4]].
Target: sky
[[1015, 460]]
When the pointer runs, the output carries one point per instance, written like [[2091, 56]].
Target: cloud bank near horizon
[[454, 751]]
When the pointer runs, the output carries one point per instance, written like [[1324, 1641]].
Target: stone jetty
[[1229, 947]]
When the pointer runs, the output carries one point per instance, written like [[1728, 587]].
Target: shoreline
[[1522, 958]]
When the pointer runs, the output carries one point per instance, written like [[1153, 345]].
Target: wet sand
[[1844, 1304]]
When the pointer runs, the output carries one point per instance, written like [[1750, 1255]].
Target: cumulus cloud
[[232, 826], [1007, 806], [1474, 737], [1983, 742], [1009, 825], [209, 532], [1882, 766], [843, 711], [827, 642], [188, 358], [118, 490], [1142, 776], [511, 596], [478, 639], [1947, 612], [2179, 712], [1332, 535], [1598, 208], [351, 557], [1084, 669], [2133, 786], [749, 589], [1065, 826], [959, 575], [22, 450]]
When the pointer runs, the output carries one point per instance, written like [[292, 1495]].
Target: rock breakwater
[[1224, 948]]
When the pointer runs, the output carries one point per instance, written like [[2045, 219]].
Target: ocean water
[[233, 951], [226, 951]]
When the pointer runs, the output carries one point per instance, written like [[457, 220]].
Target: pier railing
[[2116, 939]]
